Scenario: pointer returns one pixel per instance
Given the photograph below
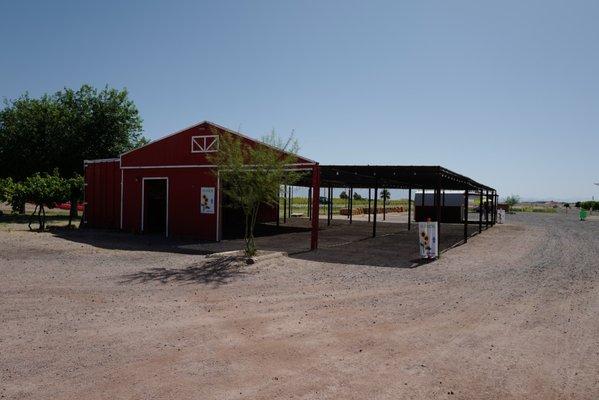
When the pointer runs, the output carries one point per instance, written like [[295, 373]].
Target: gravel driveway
[[512, 314]]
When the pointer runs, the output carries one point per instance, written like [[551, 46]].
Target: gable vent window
[[204, 144]]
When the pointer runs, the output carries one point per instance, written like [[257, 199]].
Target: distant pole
[[329, 202], [347, 200], [422, 214], [384, 204], [480, 212], [376, 192], [369, 210], [466, 215], [309, 201], [439, 215], [410, 209], [315, 205], [486, 209], [279, 208], [351, 206], [290, 199], [285, 204]]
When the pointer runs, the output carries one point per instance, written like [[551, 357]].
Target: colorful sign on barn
[[207, 200]]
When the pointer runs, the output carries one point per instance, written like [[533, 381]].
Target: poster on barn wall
[[207, 200], [427, 236]]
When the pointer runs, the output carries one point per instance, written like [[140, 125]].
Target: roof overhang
[[395, 177]]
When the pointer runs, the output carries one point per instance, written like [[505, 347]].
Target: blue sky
[[505, 92]]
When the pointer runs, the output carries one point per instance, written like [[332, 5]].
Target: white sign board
[[427, 237], [207, 200], [501, 216]]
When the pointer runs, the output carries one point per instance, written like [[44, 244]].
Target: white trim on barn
[[201, 166], [201, 144], [101, 160]]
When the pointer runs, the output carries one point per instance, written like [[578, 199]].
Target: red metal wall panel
[[102, 191]]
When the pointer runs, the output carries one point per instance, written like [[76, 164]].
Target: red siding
[[176, 149], [187, 172], [184, 184], [102, 194]]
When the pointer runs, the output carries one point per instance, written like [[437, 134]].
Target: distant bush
[[590, 205], [512, 200]]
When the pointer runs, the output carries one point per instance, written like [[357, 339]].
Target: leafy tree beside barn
[[253, 175], [61, 130]]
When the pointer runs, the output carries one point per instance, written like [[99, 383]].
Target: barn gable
[[190, 146]]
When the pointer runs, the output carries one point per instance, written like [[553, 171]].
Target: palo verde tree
[[61, 130], [252, 175]]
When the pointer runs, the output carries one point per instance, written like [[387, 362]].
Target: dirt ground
[[512, 314]]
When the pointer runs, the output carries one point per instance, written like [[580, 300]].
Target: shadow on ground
[[115, 240], [214, 272], [340, 242], [10, 218]]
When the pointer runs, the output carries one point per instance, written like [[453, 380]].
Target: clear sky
[[506, 92]]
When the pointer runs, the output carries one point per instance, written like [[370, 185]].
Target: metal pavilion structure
[[435, 179]]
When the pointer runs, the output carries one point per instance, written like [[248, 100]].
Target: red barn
[[167, 186]]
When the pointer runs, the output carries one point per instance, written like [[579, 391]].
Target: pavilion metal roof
[[396, 177]]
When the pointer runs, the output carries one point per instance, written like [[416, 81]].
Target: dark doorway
[[155, 206]]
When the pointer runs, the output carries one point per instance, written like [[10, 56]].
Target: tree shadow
[[213, 272], [117, 240], [263, 230], [11, 218]]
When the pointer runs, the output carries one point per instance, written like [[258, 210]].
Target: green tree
[[44, 190], [7, 186], [343, 195], [253, 175], [18, 198], [13, 193], [385, 195], [63, 129], [512, 200], [357, 196]]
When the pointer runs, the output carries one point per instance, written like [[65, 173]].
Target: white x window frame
[[201, 144]]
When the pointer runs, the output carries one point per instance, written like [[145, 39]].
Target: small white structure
[[427, 239], [500, 216], [452, 205]]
